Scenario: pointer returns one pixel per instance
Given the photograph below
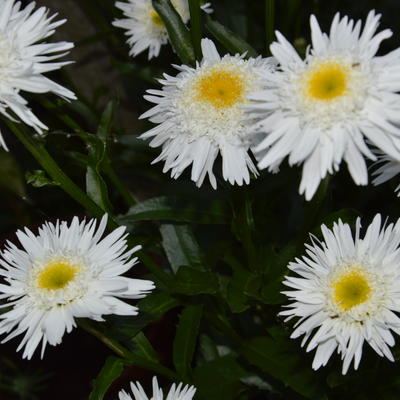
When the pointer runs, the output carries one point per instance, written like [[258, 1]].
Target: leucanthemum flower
[[388, 168], [347, 292], [23, 60], [144, 27], [199, 115], [66, 272], [175, 392], [318, 111]]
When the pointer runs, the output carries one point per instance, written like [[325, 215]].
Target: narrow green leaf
[[195, 26], [178, 210], [11, 177], [145, 348], [228, 39], [269, 21], [180, 246], [111, 370], [178, 33], [106, 121], [186, 339], [190, 281]]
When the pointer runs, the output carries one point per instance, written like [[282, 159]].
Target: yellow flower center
[[351, 289], [220, 87], [156, 19], [56, 276], [327, 81]]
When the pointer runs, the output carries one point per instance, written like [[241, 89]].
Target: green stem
[[121, 351], [53, 170], [195, 26], [269, 22]]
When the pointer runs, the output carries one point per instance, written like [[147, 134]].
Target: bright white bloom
[[65, 272], [145, 29], [175, 393], [199, 115], [318, 111], [23, 60], [388, 168], [347, 292]]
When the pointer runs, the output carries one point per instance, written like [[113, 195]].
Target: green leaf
[[38, 178], [178, 33], [186, 339], [176, 209], [180, 246], [106, 121], [111, 370], [190, 281], [144, 348], [195, 26], [220, 378], [228, 39], [280, 358]]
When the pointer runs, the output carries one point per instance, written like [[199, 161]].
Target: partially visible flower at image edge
[[144, 27], [24, 61], [175, 393], [319, 111], [386, 169], [199, 115], [63, 273], [346, 292]]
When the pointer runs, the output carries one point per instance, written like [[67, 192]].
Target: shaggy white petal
[[175, 393], [347, 292], [65, 272], [200, 115], [319, 111], [387, 169], [23, 60]]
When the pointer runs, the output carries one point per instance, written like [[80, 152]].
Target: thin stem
[[53, 170], [195, 27], [269, 22]]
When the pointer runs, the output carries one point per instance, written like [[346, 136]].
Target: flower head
[[347, 292], [144, 27], [175, 392], [23, 60], [63, 273], [199, 115], [318, 111]]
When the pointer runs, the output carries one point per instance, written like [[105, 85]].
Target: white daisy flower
[[318, 111], [199, 114], [388, 168], [145, 29], [65, 272], [347, 292], [25, 57], [175, 392]]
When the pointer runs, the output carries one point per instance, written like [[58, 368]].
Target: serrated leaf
[[38, 178], [111, 370], [180, 246], [186, 339]]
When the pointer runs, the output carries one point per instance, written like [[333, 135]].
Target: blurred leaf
[[280, 358], [219, 378], [186, 339], [111, 370], [176, 209], [191, 281], [38, 178], [180, 246], [178, 33], [11, 177], [233, 43]]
